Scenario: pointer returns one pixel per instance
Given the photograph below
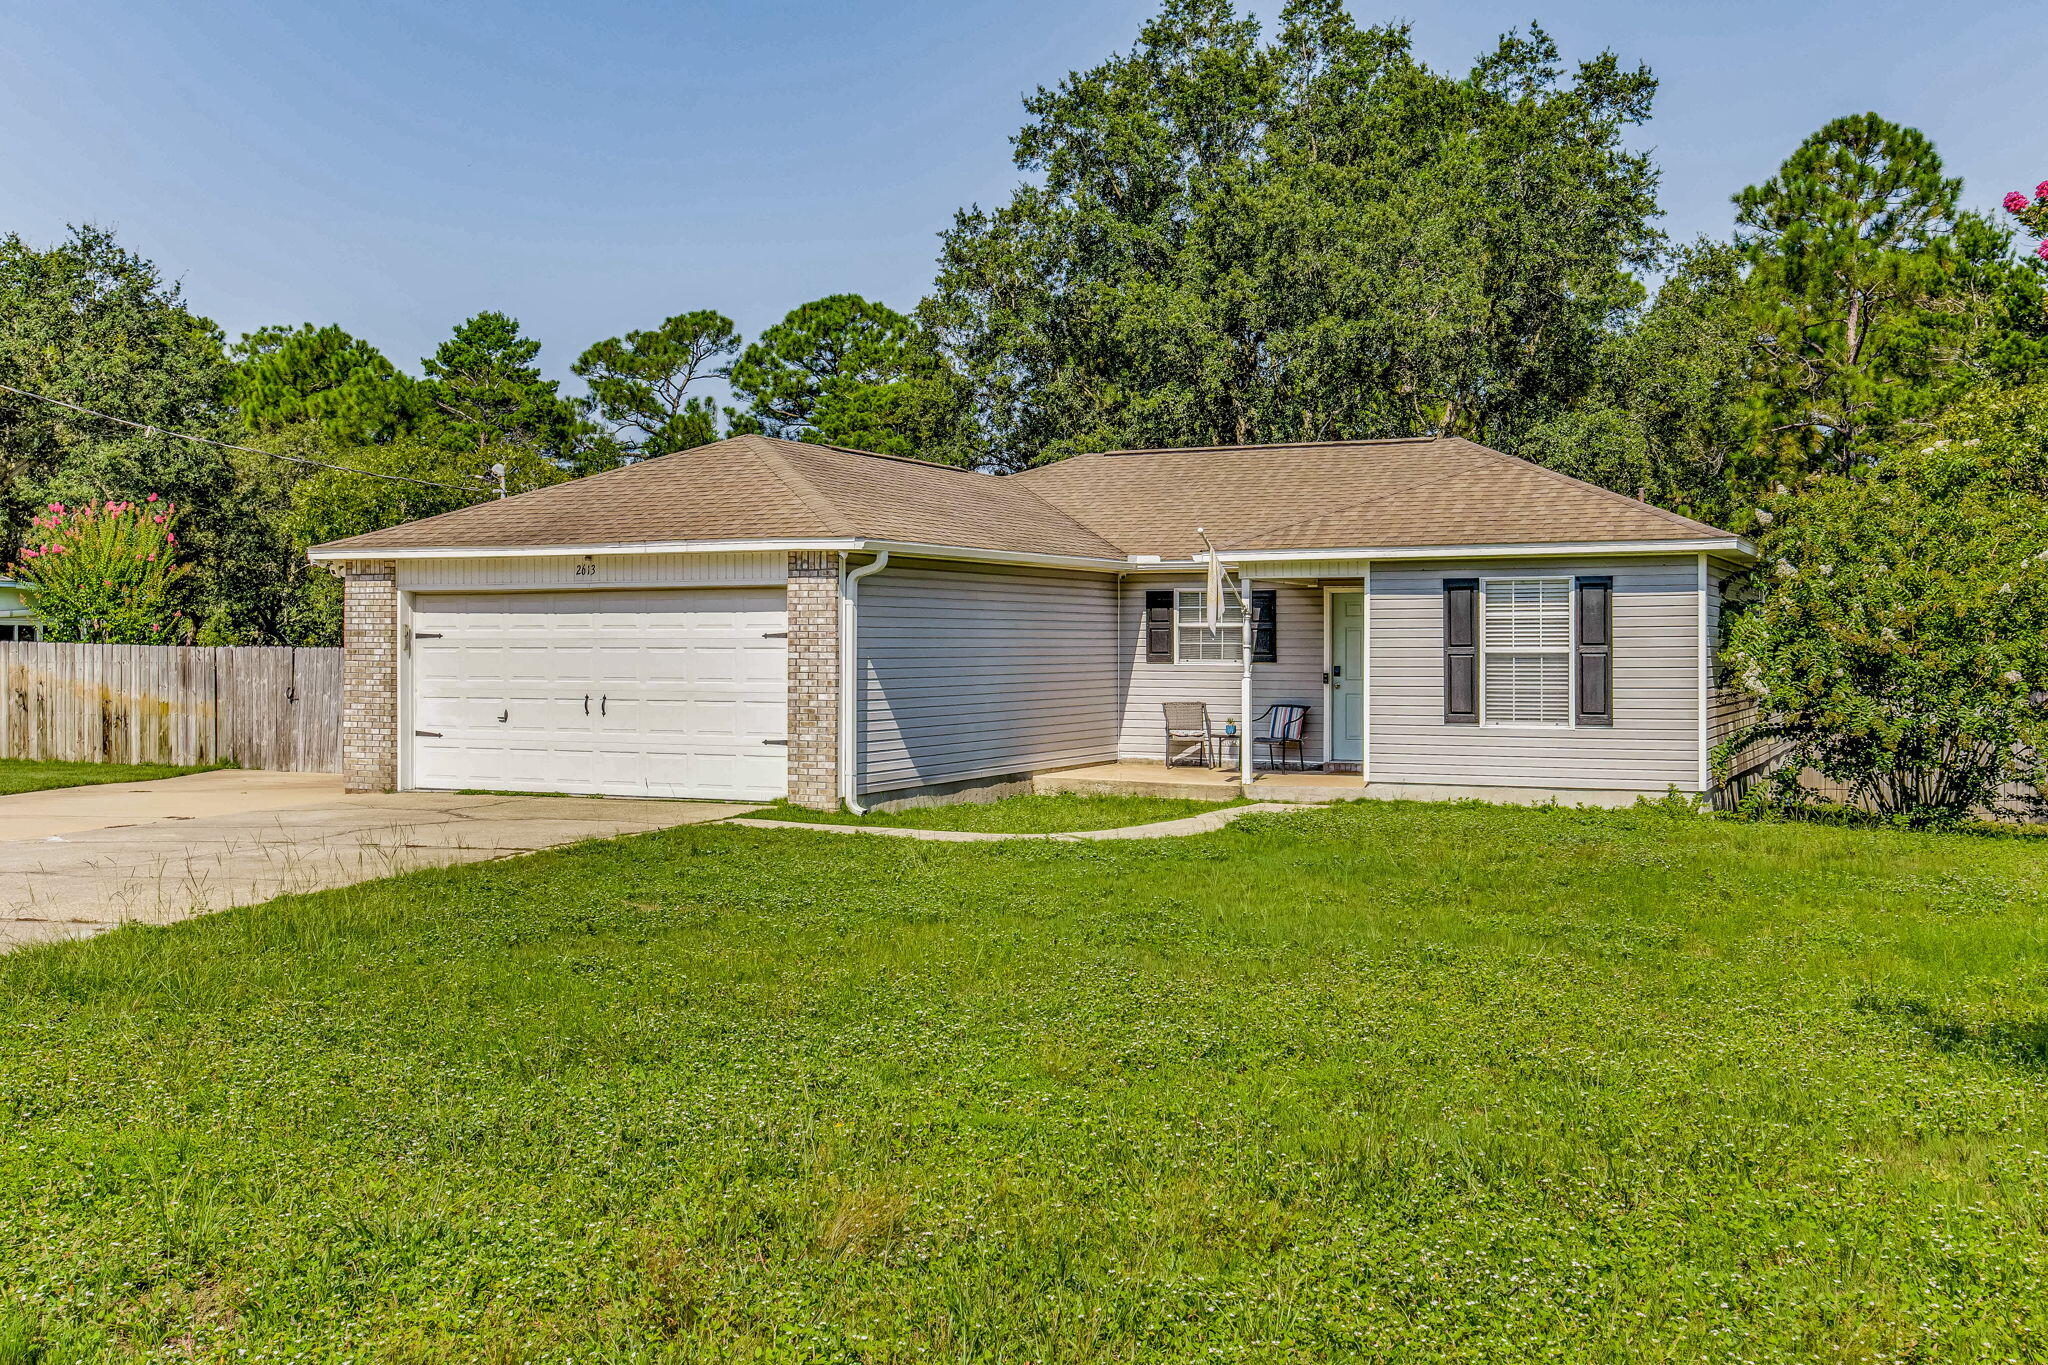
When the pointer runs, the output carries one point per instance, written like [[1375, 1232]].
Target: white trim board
[[1733, 546]]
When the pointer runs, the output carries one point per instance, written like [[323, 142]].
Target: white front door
[[656, 692], [1347, 677]]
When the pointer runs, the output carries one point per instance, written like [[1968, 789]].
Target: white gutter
[[1728, 545], [1734, 545], [849, 675], [327, 553]]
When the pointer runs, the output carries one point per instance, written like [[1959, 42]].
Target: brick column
[[369, 676], [814, 679]]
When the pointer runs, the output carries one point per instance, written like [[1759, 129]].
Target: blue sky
[[597, 167]]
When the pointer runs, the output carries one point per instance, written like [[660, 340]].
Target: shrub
[[104, 573], [1900, 643]]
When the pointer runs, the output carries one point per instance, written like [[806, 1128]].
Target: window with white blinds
[[1197, 643], [1525, 651]]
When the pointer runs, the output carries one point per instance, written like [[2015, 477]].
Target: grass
[[34, 775], [1058, 814], [1378, 1082]]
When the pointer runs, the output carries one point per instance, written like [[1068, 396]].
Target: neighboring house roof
[[1323, 495]]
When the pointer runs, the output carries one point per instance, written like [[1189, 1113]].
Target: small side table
[[1225, 746]]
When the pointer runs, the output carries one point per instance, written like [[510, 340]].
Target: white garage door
[[668, 692]]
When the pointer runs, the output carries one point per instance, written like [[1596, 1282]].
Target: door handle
[[601, 704], [504, 716], [586, 703]]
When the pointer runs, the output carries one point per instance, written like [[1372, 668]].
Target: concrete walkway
[[1201, 823], [78, 861]]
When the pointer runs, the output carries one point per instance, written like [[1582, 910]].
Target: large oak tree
[[1232, 240]]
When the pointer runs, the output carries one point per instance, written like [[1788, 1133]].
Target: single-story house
[[761, 618], [18, 619]]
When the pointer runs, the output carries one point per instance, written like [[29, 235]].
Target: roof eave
[[342, 551], [336, 551], [1732, 546]]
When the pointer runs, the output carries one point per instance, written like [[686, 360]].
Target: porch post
[[1244, 701]]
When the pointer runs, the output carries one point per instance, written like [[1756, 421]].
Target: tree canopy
[[483, 390], [1318, 237], [640, 383], [847, 371], [1857, 250], [323, 376]]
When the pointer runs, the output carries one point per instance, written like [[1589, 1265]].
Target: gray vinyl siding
[[1654, 741], [971, 671], [1296, 675]]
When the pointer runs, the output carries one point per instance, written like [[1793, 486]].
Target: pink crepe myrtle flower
[[2015, 202], [2042, 251], [56, 507], [152, 497], [2041, 190]]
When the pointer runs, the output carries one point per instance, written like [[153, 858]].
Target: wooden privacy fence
[[255, 705]]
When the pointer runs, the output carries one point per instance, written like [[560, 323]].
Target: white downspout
[[849, 675], [1244, 704]]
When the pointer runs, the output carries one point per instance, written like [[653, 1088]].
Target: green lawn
[[34, 775], [1018, 815], [1381, 1082]]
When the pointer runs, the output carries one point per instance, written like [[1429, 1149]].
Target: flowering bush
[[1900, 642], [104, 572], [2032, 213]]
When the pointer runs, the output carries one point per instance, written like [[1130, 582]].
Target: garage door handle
[[775, 635], [775, 741], [428, 734], [601, 702], [426, 635], [586, 703]]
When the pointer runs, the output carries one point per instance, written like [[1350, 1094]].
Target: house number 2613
[[586, 570]]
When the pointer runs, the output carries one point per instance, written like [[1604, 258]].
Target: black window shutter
[[1265, 616], [1461, 651], [1158, 627], [1595, 703]]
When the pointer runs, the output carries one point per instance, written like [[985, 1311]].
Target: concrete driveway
[[78, 861]]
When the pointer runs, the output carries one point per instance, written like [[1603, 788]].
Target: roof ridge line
[[802, 488], [1260, 445]]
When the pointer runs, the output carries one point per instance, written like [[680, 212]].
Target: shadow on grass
[[2017, 1042]]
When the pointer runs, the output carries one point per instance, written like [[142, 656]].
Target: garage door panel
[[685, 688]]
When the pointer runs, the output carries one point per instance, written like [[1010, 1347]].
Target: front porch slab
[[1198, 784]]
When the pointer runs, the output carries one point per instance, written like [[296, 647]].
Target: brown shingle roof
[[758, 488], [1343, 495], [1324, 495]]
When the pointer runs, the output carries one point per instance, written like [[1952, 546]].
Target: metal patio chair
[[1187, 726], [1286, 723]]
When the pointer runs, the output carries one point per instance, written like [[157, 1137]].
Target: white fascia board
[[321, 554], [1727, 545], [327, 553]]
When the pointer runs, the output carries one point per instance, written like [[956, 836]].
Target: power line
[[247, 450]]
